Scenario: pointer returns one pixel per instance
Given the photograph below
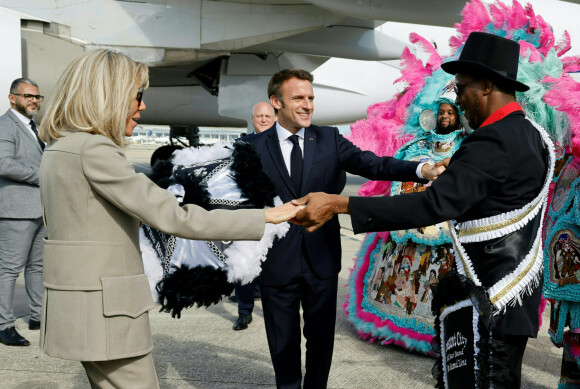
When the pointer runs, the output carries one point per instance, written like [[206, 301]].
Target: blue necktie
[[33, 126], [296, 163]]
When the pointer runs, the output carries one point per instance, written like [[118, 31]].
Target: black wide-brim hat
[[489, 54]]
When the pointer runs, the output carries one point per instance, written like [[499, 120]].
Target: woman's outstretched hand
[[282, 213], [320, 208]]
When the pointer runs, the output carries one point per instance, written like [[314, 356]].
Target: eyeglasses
[[459, 89], [139, 96], [29, 97]]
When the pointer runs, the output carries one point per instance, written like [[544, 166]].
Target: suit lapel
[[273, 144], [309, 152], [23, 128]]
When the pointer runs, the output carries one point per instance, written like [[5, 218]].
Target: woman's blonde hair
[[95, 94]]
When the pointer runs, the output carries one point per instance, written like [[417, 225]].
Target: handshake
[[310, 211], [315, 209]]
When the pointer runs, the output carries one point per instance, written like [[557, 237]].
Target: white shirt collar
[[22, 118], [284, 134]]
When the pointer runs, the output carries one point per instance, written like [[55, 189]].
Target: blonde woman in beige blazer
[[96, 297]]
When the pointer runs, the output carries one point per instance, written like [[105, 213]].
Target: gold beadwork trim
[[497, 226], [516, 280]]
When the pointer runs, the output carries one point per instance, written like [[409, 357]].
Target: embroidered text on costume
[[456, 340], [456, 364]]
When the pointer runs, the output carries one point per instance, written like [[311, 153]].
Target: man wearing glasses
[[21, 227]]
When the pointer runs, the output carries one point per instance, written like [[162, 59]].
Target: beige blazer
[[96, 297]]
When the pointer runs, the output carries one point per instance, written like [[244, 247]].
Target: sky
[[343, 129]]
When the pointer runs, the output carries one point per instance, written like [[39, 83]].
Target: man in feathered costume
[[392, 299], [501, 301]]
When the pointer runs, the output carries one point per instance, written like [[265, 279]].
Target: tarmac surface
[[201, 350]]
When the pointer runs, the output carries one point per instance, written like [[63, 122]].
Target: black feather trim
[[194, 186], [186, 287], [161, 173], [484, 359], [248, 173]]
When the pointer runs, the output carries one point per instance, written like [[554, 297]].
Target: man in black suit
[[494, 187], [302, 269]]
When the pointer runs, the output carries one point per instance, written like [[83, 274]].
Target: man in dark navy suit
[[302, 269], [494, 187]]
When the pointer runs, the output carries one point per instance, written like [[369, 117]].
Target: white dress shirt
[[418, 170], [286, 144]]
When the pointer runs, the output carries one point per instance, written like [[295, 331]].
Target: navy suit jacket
[[326, 154]]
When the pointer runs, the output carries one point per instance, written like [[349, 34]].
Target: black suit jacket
[[326, 154], [498, 168]]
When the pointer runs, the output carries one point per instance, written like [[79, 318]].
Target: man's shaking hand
[[320, 208], [432, 171]]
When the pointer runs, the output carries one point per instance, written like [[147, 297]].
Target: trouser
[[507, 352], [281, 306], [127, 373], [570, 371], [245, 298], [21, 247]]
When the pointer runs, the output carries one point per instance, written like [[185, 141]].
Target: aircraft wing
[[210, 60]]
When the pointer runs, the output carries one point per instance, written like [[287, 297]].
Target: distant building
[[208, 135], [146, 134]]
